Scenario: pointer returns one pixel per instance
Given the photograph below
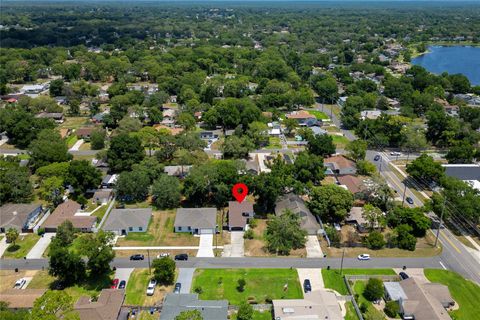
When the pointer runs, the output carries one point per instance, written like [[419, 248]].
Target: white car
[[151, 287], [163, 255], [20, 283], [395, 153], [364, 256]]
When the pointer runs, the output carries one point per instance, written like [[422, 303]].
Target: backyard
[[318, 114], [22, 246], [359, 288], [261, 285], [136, 289], [334, 280]]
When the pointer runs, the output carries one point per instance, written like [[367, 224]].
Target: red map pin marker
[[240, 191]]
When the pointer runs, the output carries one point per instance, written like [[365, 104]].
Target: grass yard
[[359, 288], [464, 292], [339, 141], [71, 140], [74, 122], [334, 280], [137, 286], [274, 143], [257, 315], [351, 314], [85, 146], [22, 246], [101, 211], [319, 114], [261, 284], [159, 233]]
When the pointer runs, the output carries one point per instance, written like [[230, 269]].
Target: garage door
[[206, 231]]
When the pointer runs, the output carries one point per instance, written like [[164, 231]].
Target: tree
[[357, 149], [258, 133], [124, 151], [166, 192], [375, 240], [373, 289], [327, 89], [461, 152], [309, 167], [391, 309], [413, 139], [128, 125], [186, 120], [66, 265], [83, 176], [164, 270], [321, 145], [65, 233], [52, 305], [56, 87], [49, 147], [52, 190], [98, 248], [425, 169], [330, 202], [237, 147], [245, 311], [189, 315], [15, 185], [404, 239], [366, 168], [132, 186], [290, 125], [284, 233], [374, 216], [12, 235], [414, 217], [97, 139]]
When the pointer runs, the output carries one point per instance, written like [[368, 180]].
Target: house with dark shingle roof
[[107, 306], [124, 221], [174, 304], [19, 216], [294, 203], [239, 213], [196, 220]]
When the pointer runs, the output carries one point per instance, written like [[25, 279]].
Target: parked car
[[307, 286], [20, 283], [114, 284], [178, 286], [395, 154], [163, 255], [377, 157], [122, 284], [137, 257], [151, 287], [364, 256], [409, 200], [337, 226], [403, 275], [181, 256]]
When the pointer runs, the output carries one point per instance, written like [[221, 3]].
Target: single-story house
[[169, 113], [100, 164], [355, 217], [196, 220], [393, 291], [316, 305], [301, 117], [21, 299], [124, 221], [353, 184], [174, 304], [370, 114], [106, 307], [209, 135], [84, 133], [55, 116], [20, 216], [469, 173], [177, 171], [318, 131], [34, 88], [251, 165], [109, 181], [67, 211], [339, 165], [294, 203], [239, 214], [102, 196]]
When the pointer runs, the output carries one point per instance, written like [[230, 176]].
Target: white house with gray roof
[[196, 220], [174, 304], [124, 221]]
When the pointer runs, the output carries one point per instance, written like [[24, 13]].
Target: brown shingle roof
[[340, 161], [235, 213], [107, 307], [21, 298], [86, 131], [66, 211], [353, 183]]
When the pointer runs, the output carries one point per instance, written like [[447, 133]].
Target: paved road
[[73, 152]]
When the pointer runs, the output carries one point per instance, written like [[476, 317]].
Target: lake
[[452, 59]]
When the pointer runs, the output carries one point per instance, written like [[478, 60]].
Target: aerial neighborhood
[[250, 161]]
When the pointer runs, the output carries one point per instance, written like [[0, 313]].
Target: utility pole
[[148, 257], [441, 220], [404, 192], [341, 263]]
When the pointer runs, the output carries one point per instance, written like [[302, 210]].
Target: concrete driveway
[[39, 248], [314, 275], [185, 277], [3, 245], [205, 247], [313, 247], [77, 145], [123, 274], [237, 242]]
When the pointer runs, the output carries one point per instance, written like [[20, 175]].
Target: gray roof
[[15, 215], [394, 291], [463, 171], [210, 309], [296, 204], [201, 218], [123, 218]]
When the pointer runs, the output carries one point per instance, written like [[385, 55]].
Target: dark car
[[377, 157], [122, 284], [403, 275], [181, 256], [409, 200], [307, 286], [137, 257], [178, 286]]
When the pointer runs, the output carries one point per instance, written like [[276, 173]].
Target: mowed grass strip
[[136, 287], [464, 292], [261, 284], [334, 280]]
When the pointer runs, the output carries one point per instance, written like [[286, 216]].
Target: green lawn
[[101, 212], [351, 314], [334, 280], [464, 292], [273, 143], [257, 315], [22, 246], [136, 286], [359, 288], [318, 114], [261, 284], [339, 141], [71, 140]]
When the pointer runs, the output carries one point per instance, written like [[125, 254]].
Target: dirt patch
[[9, 277]]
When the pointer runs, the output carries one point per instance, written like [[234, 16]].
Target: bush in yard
[[404, 239], [375, 240], [189, 315], [253, 223], [164, 270], [245, 312], [363, 307], [374, 289], [248, 234], [198, 290], [41, 231], [241, 285], [391, 309]]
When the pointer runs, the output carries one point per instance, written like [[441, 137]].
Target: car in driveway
[[377, 157], [114, 284], [409, 200], [403, 275], [122, 284], [151, 287], [20, 283], [307, 286], [181, 256], [137, 257], [178, 287], [363, 256]]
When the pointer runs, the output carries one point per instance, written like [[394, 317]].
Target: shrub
[[41, 231], [374, 289], [248, 234], [253, 223], [198, 290], [375, 240], [363, 307], [241, 285], [391, 309], [405, 240]]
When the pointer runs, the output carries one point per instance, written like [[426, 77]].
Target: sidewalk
[[3, 246]]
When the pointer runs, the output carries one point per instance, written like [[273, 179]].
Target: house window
[[189, 228], [130, 228], [140, 229], [179, 228]]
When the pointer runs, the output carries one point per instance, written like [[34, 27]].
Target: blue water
[[454, 59]]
